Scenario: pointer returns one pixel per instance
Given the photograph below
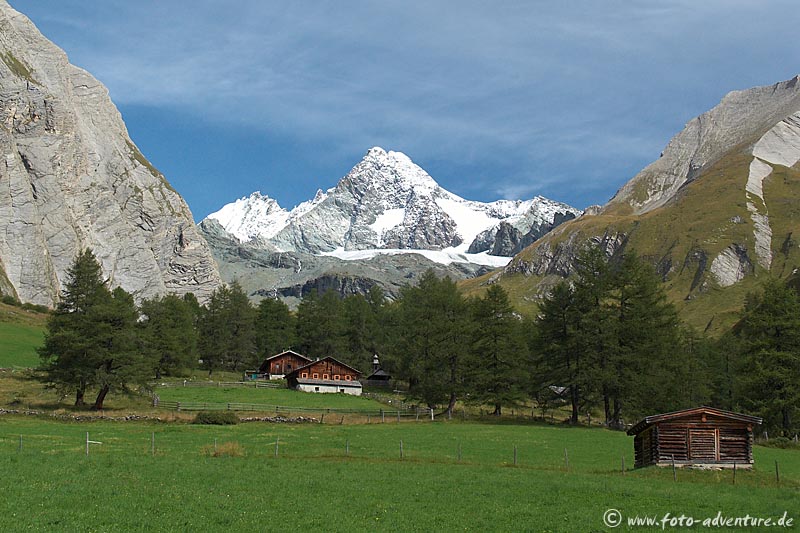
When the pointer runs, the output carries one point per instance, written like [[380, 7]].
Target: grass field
[[50, 484], [18, 343], [281, 397]]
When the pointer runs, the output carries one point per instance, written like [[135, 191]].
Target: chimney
[[376, 364]]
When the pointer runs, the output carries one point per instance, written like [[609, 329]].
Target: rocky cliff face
[[72, 178]]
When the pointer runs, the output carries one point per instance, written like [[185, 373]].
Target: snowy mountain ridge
[[388, 205]]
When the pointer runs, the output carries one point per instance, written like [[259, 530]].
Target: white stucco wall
[[354, 391]]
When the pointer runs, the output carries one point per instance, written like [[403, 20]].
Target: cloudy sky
[[505, 99]]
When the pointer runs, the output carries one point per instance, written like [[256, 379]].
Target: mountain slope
[[72, 178], [383, 223], [714, 214]]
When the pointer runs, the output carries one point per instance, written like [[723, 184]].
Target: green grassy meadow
[[50, 484], [282, 397], [21, 333], [18, 345]]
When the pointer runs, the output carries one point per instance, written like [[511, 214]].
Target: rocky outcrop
[[72, 178], [731, 265]]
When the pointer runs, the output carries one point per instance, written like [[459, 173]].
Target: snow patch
[[470, 222], [388, 220], [444, 257]]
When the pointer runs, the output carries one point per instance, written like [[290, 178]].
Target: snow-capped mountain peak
[[252, 217], [388, 204]]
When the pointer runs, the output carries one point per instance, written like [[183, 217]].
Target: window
[[316, 389], [337, 377], [315, 375], [276, 368], [347, 377], [304, 375], [326, 376]]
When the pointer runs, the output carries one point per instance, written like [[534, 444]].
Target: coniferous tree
[[168, 333], [770, 350], [562, 359], [276, 328], [433, 330], [496, 370], [227, 330], [71, 336], [117, 360], [320, 325]]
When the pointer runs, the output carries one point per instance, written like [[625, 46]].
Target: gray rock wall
[[71, 178]]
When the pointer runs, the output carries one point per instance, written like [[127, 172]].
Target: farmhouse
[[703, 436], [325, 375], [277, 366]]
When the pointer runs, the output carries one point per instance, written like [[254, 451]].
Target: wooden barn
[[702, 436], [277, 366], [325, 375]]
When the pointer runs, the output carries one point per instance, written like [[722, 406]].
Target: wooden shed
[[703, 436]]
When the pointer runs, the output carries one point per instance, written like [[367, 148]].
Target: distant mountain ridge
[[384, 223], [386, 202], [72, 178], [714, 214]]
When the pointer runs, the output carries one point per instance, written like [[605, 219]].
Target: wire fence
[[220, 384], [379, 414]]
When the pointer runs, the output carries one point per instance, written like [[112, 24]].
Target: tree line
[[606, 341]]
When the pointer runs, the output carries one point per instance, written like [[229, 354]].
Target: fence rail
[[238, 406], [225, 384]]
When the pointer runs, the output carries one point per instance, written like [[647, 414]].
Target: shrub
[[220, 418], [226, 449], [36, 308], [9, 300], [780, 442]]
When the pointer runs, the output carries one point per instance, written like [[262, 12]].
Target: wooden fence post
[[398, 416], [566, 459], [515, 455], [459, 451], [623, 465], [401, 449], [347, 448], [277, 443], [153, 444], [674, 472], [431, 414], [383, 418], [777, 474]]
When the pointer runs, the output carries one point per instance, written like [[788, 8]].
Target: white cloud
[[539, 84]]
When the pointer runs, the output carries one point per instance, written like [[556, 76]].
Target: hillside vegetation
[[681, 239]]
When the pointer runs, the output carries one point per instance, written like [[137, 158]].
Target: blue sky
[[494, 99]]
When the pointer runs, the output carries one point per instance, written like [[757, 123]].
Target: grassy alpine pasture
[[50, 484], [18, 343], [21, 333], [282, 397]]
